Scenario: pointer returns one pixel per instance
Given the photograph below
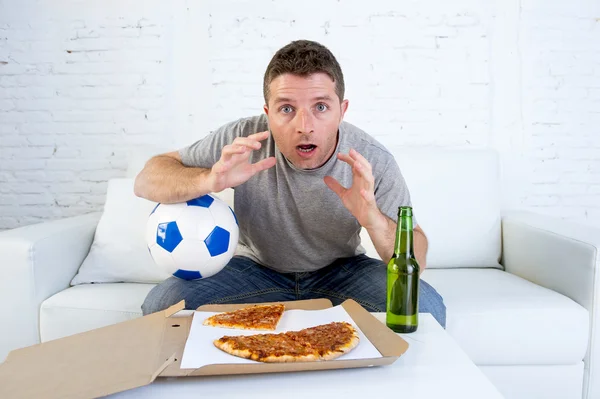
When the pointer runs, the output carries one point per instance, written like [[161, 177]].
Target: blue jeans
[[244, 281]]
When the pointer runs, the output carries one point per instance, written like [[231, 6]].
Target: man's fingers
[[247, 142], [240, 145], [234, 149], [359, 158], [229, 151], [354, 157], [360, 166], [334, 185], [360, 170], [252, 141], [346, 158], [263, 164], [260, 136]]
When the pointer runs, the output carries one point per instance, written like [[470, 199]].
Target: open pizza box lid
[[134, 353]]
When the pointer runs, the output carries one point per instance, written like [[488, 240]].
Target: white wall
[[80, 87]]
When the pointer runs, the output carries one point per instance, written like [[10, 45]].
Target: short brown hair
[[303, 58]]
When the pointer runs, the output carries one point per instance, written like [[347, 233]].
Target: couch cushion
[[501, 319], [89, 306], [456, 199], [119, 252]]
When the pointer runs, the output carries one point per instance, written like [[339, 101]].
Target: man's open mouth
[[306, 148]]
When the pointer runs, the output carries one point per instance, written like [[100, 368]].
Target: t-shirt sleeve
[[392, 192], [205, 152]]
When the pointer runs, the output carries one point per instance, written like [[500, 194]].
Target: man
[[305, 183]]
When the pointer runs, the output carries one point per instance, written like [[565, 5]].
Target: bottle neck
[[404, 236]]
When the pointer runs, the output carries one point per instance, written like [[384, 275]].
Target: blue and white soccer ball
[[193, 239]]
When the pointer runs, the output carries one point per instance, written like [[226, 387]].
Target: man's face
[[304, 115]]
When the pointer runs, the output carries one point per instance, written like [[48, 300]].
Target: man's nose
[[304, 123]]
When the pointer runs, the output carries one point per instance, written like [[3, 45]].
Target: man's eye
[[286, 109], [322, 107]]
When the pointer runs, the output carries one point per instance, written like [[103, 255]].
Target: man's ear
[[344, 108], [266, 109]]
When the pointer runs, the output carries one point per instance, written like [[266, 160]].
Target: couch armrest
[[36, 262], [563, 257], [553, 253]]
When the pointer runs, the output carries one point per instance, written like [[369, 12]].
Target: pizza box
[[134, 353]]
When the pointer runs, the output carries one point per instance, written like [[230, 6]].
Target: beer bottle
[[403, 278]]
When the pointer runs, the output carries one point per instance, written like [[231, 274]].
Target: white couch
[[520, 289]]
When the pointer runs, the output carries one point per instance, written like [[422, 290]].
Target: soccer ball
[[193, 239]]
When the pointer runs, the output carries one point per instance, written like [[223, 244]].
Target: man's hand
[[359, 199], [233, 168]]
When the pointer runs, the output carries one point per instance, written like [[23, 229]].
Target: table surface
[[434, 366]]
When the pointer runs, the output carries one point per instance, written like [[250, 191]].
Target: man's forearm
[[164, 179], [384, 238], [420, 247]]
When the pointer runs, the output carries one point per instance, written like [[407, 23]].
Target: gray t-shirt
[[289, 220]]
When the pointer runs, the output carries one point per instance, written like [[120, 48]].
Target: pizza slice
[[257, 317], [268, 348], [323, 342], [330, 340]]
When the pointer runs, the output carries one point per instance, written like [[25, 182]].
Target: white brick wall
[[80, 87], [560, 45], [415, 73]]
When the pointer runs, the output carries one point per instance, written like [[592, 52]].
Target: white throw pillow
[[456, 198], [119, 252]]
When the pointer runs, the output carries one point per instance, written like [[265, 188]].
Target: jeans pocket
[[361, 263], [241, 264]]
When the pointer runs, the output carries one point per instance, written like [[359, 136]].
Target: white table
[[433, 367]]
